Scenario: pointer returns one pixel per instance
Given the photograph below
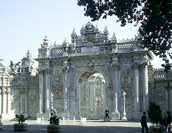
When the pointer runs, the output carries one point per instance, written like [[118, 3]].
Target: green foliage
[[153, 16], [54, 120], [14, 67], [154, 113], [156, 129], [163, 122], [20, 118]]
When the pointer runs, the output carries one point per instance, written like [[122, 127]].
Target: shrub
[[20, 118], [54, 120], [154, 113]]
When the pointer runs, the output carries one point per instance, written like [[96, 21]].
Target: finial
[[73, 30], [46, 38], [96, 28], [82, 31], [73, 33], [55, 43], [106, 31], [28, 54], [65, 42], [114, 38]]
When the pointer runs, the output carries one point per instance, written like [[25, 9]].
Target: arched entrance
[[92, 95]]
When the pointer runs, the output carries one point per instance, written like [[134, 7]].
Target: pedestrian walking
[[107, 118], [168, 123], [144, 123]]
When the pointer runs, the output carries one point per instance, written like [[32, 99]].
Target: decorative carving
[[78, 50], [33, 97], [14, 98], [57, 82], [65, 67], [58, 94], [4, 90], [125, 78], [114, 61], [144, 64], [8, 90]]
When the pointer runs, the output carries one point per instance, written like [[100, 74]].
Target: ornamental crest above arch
[[98, 69]]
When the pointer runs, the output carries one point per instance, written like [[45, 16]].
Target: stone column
[[21, 101], [48, 91], [145, 86], [66, 104], [52, 100], [26, 102], [9, 100], [115, 113], [66, 86], [41, 101], [0, 101], [136, 94], [4, 103]]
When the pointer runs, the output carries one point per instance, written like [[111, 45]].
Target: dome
[[89, 27]]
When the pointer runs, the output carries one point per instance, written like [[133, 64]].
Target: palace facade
[[83, 77]]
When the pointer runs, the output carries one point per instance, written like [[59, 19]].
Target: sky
[[24, 24]]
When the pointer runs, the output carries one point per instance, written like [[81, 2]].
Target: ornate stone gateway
[[92, 95], [91, 73], [83, 77]]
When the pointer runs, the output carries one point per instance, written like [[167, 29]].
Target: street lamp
[[124, 99]]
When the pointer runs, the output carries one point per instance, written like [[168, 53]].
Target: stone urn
[[20, 127], [53, 128], [156, 129]]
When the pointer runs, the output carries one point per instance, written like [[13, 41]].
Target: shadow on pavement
[[76, 129]]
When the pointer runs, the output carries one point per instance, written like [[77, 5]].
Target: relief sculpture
[[57, 83]]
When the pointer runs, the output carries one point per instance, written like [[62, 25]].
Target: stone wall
[[160, 89]]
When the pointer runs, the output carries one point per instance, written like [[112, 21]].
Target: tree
[[20, 118], [154, 113], [154, 17], [14, 67]]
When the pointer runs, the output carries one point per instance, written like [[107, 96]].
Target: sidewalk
[[69, 126]]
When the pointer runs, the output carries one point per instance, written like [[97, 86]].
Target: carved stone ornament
[[125, 77], [89, 40], [65, 67], [160, 92], [114, 61], [4, 90], [58, 94], [14, 98], [57, 82], [8, 90], [32, 97]]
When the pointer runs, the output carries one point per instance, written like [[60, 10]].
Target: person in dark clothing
[[168, 122], [107, 114], [144, 123]]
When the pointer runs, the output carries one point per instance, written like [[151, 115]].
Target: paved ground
[[76, 127]]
